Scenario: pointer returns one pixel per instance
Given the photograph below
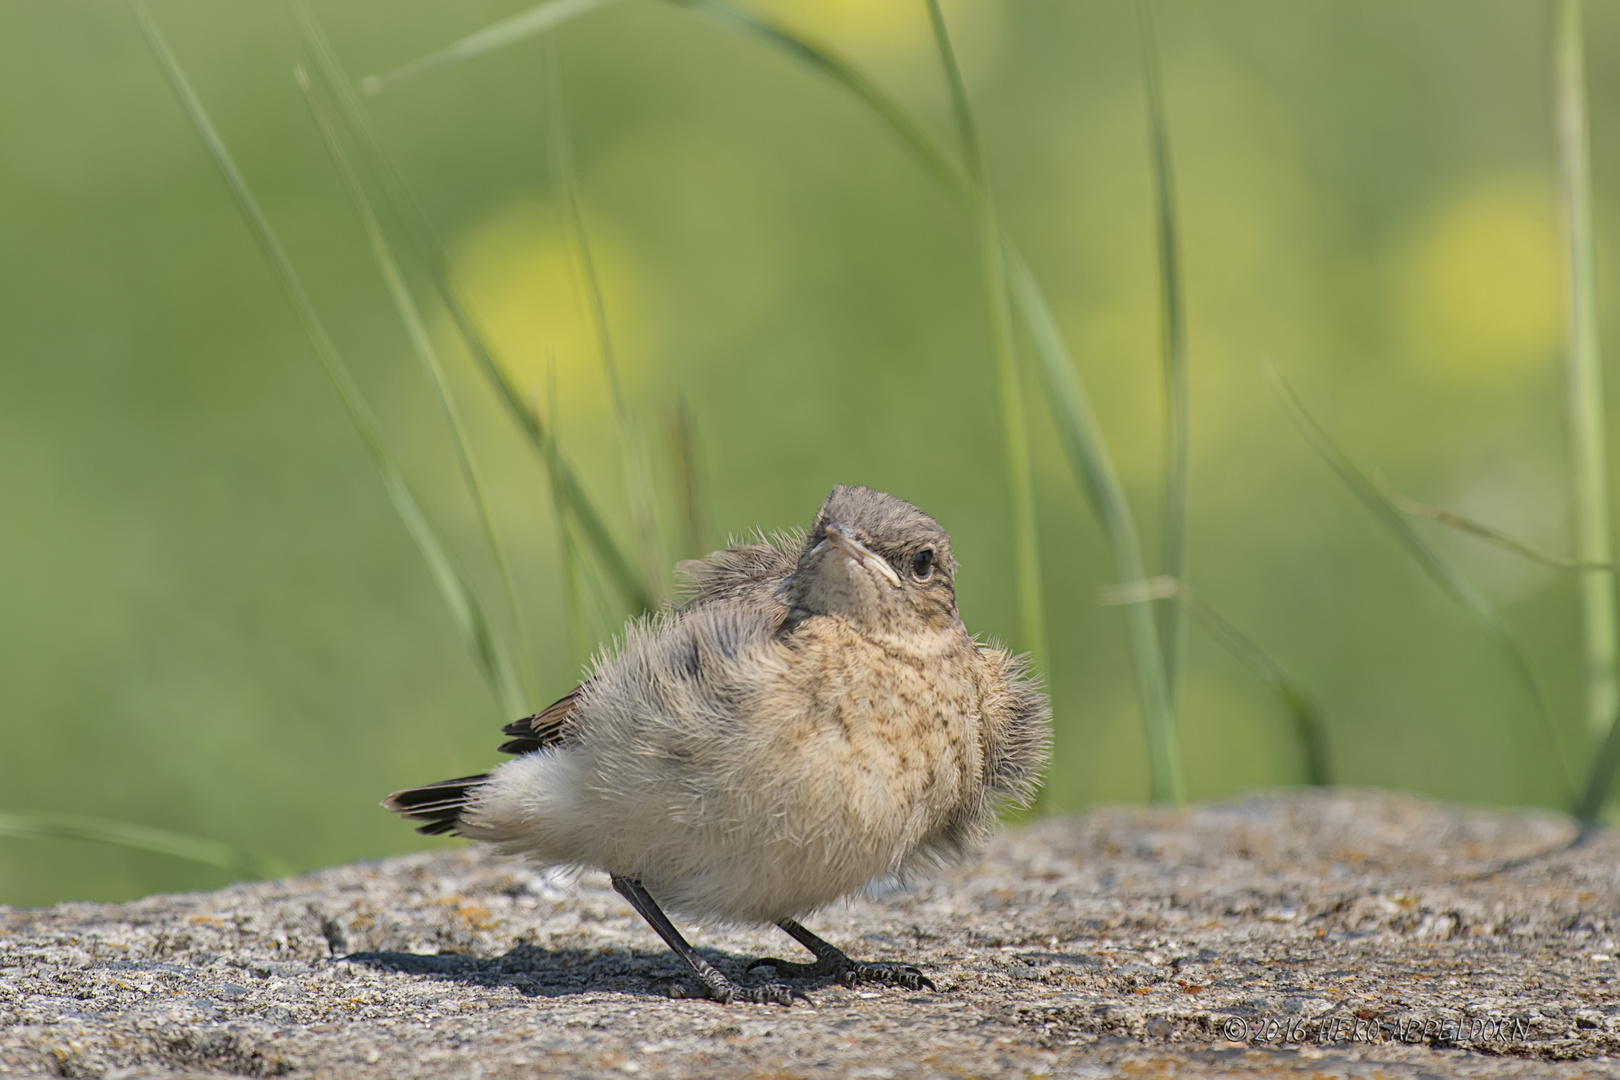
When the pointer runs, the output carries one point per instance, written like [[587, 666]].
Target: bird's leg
[[715, 985], [831, 961]]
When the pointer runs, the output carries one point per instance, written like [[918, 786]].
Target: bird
[[809, 717]]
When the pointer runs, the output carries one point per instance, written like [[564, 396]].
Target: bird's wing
[[741, 570], [544, 728], [738, 572]]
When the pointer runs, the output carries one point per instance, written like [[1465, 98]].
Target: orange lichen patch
[[471, 912], [204, 920], [362, 920]]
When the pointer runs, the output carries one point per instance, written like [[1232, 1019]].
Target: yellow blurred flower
[[525, 285], [1481, 287], [886, 32]]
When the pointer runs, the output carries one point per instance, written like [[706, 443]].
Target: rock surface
[[1339, 934]]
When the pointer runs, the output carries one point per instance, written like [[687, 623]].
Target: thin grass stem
[[536, 20], [1444, 574], [998, 311], [460, 598], [431, 253], [422, 344], [572, 601], [1600, 778], [1588, 451], [197, 849], [632, 444], [1309, 726], [1468, 525], [543, 18], [1173, 329], [683, 438], [1093, 466], [822, 59]]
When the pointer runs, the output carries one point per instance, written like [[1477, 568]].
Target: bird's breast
[[886, 739]]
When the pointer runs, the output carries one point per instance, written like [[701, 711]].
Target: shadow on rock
[[537, 972]]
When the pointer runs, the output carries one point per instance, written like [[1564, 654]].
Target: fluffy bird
[[812, 718]]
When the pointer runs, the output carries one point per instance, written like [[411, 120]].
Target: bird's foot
[[716, 987], [903, 975], [846, 972]]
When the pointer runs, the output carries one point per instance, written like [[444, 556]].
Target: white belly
[[749, 852]]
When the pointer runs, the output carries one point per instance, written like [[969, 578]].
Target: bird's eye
[[922, 564]]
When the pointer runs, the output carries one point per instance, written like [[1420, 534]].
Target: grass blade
[[683, 439], [431, 253], [1309, 726], [461, 600], [1308, 723], [1439, 569], [1173, 552], [819, 58], [1600, 779], [547, 16], [998, 310], [1094, 467], [544, 17], [1588, 453], [573, 602], [1484, 532], [422, 344], [197, 849], [632, 446], [539, 19]]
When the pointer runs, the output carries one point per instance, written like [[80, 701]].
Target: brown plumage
[[813, 716]]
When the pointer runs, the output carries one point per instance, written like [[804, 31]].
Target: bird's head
[[878, 562]]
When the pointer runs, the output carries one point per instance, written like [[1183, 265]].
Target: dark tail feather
[[440, 805]]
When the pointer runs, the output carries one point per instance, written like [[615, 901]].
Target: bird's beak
[[842, 537]]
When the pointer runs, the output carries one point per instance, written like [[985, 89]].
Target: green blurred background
[[212, 621]]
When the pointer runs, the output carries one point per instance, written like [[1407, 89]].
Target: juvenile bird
[[813, 717]]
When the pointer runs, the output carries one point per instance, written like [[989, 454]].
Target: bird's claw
[[772, 994], [888, 974], [725, 992], [850, 973], [787, 969]]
